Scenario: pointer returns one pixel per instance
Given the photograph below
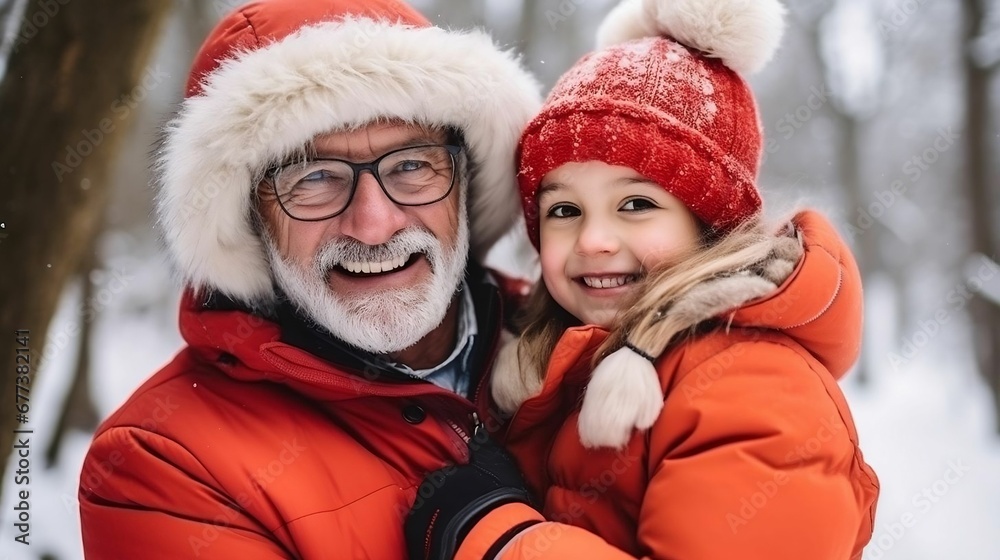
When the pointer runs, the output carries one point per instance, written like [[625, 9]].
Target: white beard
[[384, 321]]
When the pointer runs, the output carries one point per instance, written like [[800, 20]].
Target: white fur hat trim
[[266, 103]]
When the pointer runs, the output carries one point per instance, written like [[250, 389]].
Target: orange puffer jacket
[[754, 456], [247, 447]]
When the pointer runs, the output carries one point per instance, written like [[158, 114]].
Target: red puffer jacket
[[754, 456], [245, 446]]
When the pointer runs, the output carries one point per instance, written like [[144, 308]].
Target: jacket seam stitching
[[336, 509], [833, 298], [128, 427], [795, 352], [250, 25]]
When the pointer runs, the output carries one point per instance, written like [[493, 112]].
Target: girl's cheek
[[550, 267], [660, 251]]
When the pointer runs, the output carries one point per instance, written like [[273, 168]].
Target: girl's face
[[601, 228]]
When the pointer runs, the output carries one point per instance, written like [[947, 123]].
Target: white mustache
[[402, 245]]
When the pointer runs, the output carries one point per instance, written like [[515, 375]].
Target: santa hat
[[663, 95], [275, 73]]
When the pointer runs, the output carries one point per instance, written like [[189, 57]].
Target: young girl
[[674, 390]]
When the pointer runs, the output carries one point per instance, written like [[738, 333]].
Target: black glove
[[451, 500]]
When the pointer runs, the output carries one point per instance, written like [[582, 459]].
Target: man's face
[[419, 251]]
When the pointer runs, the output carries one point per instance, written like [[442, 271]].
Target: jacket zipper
[[488, 370], [477, 427], [304, 373], [464, 436], [461, 433]]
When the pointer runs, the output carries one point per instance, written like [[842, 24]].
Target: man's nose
[[371, 217], [596, 237]]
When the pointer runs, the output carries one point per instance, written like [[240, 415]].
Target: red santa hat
[[275, 73], [663, 95]]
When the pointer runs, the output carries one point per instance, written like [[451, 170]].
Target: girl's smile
[[602, 227]]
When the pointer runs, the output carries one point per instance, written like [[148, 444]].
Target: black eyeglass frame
[[371, 167]]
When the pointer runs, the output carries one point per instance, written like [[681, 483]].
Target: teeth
[[375, 267], [606, 282]]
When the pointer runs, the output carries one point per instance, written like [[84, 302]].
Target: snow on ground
[[927, 433], [925, 427], [134, 335]]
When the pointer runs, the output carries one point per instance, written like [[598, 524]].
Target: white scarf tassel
[[623, 394]]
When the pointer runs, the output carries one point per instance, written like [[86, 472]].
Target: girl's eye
[[638, 204], [563, 211]]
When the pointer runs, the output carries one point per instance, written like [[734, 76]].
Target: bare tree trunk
[[199, 17], [6, 9], [985, 315], [78, 410], [865, 244], [526, 29], [9, 11], [462, 14], [72, 81], [848, 155]]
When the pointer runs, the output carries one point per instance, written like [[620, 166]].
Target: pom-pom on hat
[[664, 96]]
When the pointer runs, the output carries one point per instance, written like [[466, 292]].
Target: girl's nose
[[597, 237]]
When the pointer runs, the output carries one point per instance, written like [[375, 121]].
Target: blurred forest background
[[885, 114]]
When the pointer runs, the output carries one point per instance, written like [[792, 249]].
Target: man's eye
[[411, 165], [638, 204], [325, 178], [315, 176], [563, 211]]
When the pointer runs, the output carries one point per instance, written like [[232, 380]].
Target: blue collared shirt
[[453, 373]]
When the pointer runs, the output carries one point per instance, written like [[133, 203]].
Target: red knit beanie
[[664, 97]]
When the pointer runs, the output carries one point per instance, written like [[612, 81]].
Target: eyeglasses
[[320, 188]]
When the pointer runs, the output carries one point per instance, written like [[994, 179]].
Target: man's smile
[[359, 268]]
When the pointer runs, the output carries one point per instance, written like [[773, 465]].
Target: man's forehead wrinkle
[[370, 142]]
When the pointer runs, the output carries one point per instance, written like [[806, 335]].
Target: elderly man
[[332, 168]]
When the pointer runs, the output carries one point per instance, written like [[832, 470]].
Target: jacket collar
[[223, 329], [820, 304]]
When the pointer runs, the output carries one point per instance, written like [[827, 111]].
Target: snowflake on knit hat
[[665, 95]]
